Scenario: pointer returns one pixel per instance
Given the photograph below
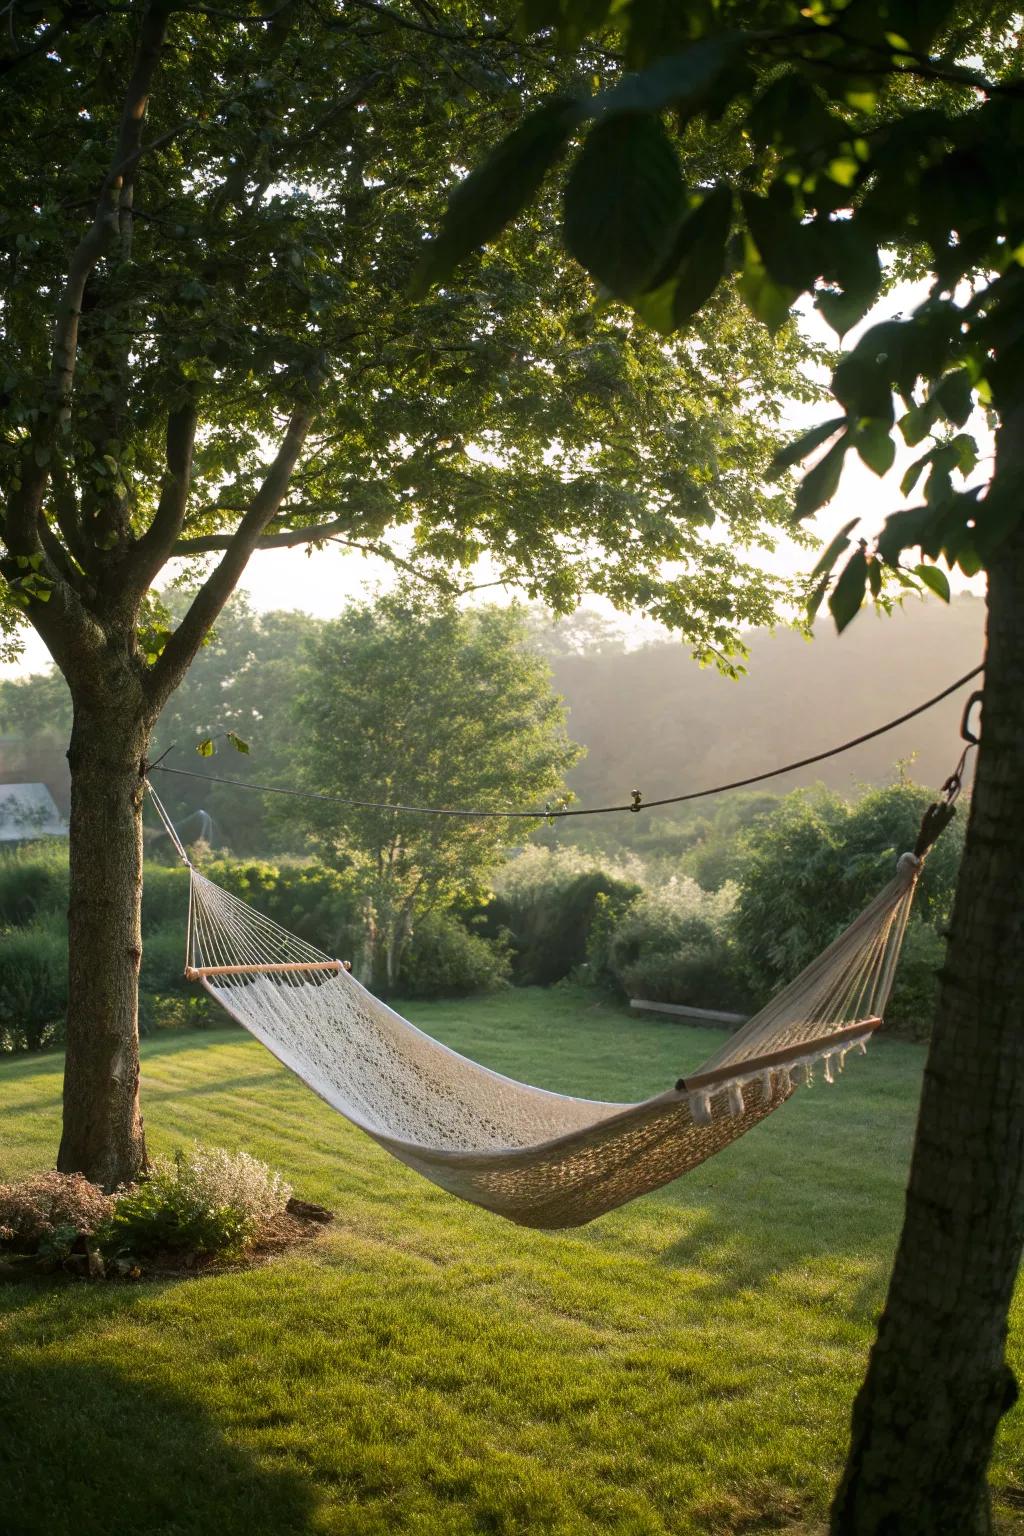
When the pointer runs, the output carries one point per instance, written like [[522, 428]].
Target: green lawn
[[684, 1365]]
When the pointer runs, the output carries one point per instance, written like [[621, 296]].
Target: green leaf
[[834, 550], [844, 170], [848, 594], [237, 742], [481, 206], [205, 748], [861, 382], [914, 473], [695, 266], [703, 264], [794, 452], [816, 598], [875, 446], [935, 579], [624, 203], [954, 394], [656, 308], [916, 424], [966, 450], [906, 530], [766, 299], [839, 310], [820, 484], [786, 246], [684, 81], [849, 257]]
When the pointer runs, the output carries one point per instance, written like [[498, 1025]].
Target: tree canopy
[[855, 142], [208, 229], [401, 697]]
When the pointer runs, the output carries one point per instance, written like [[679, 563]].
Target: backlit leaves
[[848, 594]]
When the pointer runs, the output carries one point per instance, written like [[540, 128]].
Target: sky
[[323, 581]]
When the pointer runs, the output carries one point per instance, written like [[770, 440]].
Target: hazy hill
[[652, 720]]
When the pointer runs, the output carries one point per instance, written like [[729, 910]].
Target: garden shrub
[[547, 900], [306, 897], [204, 1201], [164, 897], [444, 958], [163, 961], [312, 901], [674, 945], [33, 883], [813, 864], [48, 1205], [704, 977], [915, 993], [33, 986], [191, 1009]]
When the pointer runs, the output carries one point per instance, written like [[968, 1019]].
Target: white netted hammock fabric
[[538, 1158]]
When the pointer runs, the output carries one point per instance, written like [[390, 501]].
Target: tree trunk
[[937, 1382], [103, 1136]]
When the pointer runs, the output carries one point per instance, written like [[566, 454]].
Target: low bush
[[444, 958], [50, 1206], [33, 883], [814, 863], [193, 1009], [915, 994], [698, 978], [309, 899], [33, 986], [546, 901], [673, 945], [205, 1201], [164, 897], [163, 961]]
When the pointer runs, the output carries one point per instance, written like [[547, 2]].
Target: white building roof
[[27, 811]]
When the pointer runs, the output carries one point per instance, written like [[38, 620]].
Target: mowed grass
[[684, 1365]]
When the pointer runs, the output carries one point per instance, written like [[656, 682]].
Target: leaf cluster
[[255, 273], [851, 138]]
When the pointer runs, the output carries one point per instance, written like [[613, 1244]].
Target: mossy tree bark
[[938, 1383]]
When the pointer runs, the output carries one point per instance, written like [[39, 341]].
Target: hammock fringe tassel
[[537, 1158]]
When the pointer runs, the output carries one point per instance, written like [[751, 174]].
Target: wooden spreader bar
[[777, 1058], [197, 972]]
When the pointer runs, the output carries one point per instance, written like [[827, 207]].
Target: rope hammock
[[537, 1158]]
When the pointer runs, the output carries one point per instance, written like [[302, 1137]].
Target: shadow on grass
[[268, 1080], [32, 1107], [86, 1450], [790, 1198], [32, 1063]]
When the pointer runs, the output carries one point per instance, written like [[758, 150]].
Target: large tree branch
[[106, 219], [321, 533], [157, 543], [65, 508], [59, 558], [219, 585], [288, 538]]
